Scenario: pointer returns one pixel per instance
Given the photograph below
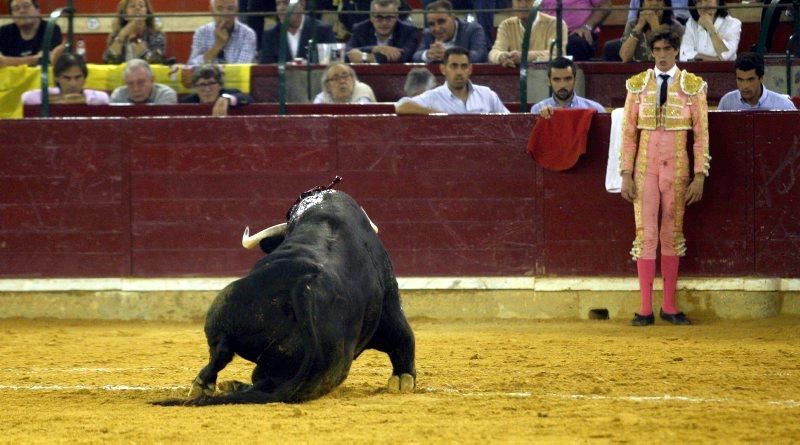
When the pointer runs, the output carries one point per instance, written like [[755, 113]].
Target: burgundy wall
[[453, 195]]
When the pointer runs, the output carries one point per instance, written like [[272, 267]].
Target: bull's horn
[[251, 242], [374, 227]]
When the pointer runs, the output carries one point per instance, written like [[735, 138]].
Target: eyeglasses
[[338, 78], [205, 85], [21, 7], [384, 18], [439, 22]]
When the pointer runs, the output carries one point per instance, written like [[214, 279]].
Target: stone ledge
[[187, 299]]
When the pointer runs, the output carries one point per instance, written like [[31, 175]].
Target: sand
[[491, 381]]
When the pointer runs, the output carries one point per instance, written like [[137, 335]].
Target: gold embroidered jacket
[[686, 109]]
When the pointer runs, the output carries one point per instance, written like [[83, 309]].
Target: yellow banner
[[15, 80]]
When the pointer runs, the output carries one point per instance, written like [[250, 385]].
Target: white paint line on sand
[[70, 388]]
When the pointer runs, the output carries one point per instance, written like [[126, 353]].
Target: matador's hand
[[628, 189], [695, 191]]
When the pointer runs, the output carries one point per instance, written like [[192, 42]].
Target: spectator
[[486, 18], [70, 71], [680, 11], [750, 92], [256, 22], [418, 81], [458, 95], [137, 37], [638, 32], [662, 105], [225, 40], [383, 38], [350, 20], [507, 46], [711, 33], [21, 41], [299, 33], [209, 85], [583, 18], [561, 74], [446, 31], [340, 85], [140, 87]]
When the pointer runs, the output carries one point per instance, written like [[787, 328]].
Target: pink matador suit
[[661, 171]]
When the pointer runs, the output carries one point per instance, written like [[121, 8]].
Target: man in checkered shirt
[[225, 40]]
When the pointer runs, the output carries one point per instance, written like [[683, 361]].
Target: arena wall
[[453, 195]]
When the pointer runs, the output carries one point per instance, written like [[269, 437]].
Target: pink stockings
[[647, 273]]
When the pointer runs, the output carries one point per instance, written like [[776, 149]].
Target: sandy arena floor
[[503, 381]]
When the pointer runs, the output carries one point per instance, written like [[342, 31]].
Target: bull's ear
[[271, 243]]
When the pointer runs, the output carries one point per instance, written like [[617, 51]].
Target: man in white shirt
[[458, 95]]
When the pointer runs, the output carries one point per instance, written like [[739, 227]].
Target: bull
[[324, 293]]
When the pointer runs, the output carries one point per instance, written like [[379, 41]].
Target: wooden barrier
[[453, 195]]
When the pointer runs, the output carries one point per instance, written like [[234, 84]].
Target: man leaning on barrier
[[225, 40], [750, 93], [458, 95], [141, 88], [383, 37]]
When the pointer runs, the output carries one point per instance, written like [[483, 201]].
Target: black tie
[[662, 98]]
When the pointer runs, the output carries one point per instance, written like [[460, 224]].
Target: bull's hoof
[[200, 389], [232, 386], [403, 383]]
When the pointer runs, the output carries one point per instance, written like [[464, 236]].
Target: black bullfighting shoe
[[643, 320], [678, 318]]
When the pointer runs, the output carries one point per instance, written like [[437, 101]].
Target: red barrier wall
[[453, 195]]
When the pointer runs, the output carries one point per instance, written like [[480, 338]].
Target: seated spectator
[[638, 32], [340, 85], [508, 44], [458, 95], [70, 71], [299, 33], [583, 18], [750, 92], [135, 37], [446, 31], [711, 33], [256, 22], [141, 88], [209, 86], [680, 11], [225, 40], [21, 40], [418, 81], [350, 20], [561, 74], [383, 38]]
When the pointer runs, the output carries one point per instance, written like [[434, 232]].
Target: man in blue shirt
[[561, 74], [458, 95], [751, 94]]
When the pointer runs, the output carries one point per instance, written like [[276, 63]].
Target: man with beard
[[561, 74], [458, 95], [663, 104], [751, 94], [225, 40]]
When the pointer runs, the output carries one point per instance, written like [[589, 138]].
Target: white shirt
[[481, 99], [294, 39], [671, 73], [696, 40]]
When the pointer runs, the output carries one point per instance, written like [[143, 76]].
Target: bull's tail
[[287, 391]]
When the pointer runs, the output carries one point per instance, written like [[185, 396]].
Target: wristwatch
[[364, 57]]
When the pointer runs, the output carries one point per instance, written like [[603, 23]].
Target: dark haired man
[[299, 33], [446, 31], [662, 105], [383, 38], [750, 92], [561, 74], [70, 71], [458, 95], [21, 41]]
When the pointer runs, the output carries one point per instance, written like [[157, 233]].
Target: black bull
[[306, 310]]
